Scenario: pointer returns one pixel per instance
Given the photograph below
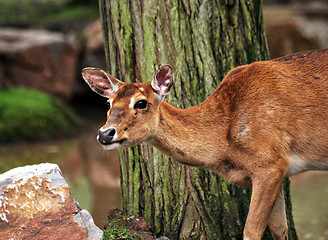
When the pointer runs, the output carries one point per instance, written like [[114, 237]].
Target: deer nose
[[106, 136]]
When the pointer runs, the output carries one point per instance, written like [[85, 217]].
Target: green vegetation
[[119, 227], [118, 232], [47, 11], [33, 115]]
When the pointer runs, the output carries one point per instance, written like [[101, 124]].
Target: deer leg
[[266, 185], [277, 220]]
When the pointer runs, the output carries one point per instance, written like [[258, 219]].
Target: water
[[93, 176], [92, 173], [310, 205]]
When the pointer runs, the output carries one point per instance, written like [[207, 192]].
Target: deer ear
[[100, 81], [163, 80]]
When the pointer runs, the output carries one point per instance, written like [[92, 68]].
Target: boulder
[[296, 27], [287, 38], [92, 55], [38, 59], [131, 226], [314, 22], [93, 38], [93, 46], [35, 203]]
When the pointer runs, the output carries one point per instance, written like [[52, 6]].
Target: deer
[[265, 121]]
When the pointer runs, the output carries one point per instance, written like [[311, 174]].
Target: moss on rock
[[33, 115], [123, 226]]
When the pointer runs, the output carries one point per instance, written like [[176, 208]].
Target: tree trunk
[[202, 41]]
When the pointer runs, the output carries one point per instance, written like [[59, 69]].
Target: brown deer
[[265, 121]]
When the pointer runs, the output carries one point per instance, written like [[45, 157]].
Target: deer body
[[265, 121]]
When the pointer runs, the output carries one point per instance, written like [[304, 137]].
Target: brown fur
[[265, 121]]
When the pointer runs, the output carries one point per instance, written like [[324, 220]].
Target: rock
[[38, 59], [119, 222], [93, 55], [93, 37], [313, 22], [136, 227], [94, 51], [287, 38], [296, 27], [85, 220], [35, 203]]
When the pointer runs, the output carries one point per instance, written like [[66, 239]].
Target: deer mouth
[[115, 145], [110, 143]]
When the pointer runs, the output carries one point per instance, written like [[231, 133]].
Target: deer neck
[[189, 135]]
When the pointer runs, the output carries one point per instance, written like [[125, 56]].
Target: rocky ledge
[[36, 203]]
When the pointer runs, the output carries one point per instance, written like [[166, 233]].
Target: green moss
[[119, 226], [46, 11], [74, 14], [32, 115], [117, 232]]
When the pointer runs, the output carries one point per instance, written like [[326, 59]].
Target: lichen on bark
[[202, 41]]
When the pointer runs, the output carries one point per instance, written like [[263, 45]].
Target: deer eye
[[140, 104], [107, 105]]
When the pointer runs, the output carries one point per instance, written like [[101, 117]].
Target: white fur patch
[[131, 105], [112, 146], [110, 104], [297, 165], [103, 129]]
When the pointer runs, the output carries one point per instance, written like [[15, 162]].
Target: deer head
[[133, 109]]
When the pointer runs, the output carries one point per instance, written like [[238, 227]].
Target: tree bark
[[202, 41]]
